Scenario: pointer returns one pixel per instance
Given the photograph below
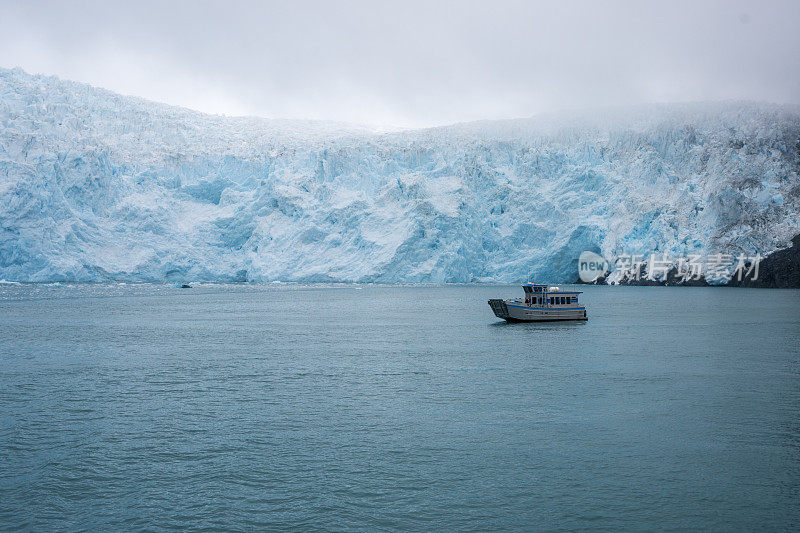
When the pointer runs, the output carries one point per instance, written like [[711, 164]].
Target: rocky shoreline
[[780, 269]]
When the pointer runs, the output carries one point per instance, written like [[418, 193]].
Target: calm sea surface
[[369, 408]]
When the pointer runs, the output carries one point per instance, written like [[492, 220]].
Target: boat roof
[[545, 286]]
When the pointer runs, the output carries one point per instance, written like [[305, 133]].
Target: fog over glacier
[[96, 186]]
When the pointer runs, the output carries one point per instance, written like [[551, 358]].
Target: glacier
[[96, 186]]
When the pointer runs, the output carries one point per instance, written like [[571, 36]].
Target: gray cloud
[[411, 63]]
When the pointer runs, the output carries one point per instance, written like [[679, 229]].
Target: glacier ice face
[[97, 186]]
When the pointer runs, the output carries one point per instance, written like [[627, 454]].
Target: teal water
[[396, 408]]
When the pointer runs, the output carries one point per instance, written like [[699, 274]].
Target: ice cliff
[[97, 186]]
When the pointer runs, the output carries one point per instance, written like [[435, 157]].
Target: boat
[[541, 303]]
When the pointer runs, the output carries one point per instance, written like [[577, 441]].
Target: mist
[[412, 64]]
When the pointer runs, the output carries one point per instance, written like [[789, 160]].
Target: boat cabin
[[549, 296]]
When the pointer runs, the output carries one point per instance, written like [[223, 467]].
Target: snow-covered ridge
[[97, 186]]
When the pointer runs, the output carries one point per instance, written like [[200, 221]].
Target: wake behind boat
[[541, 303]]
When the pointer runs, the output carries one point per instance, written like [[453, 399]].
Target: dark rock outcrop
[[780, 269]]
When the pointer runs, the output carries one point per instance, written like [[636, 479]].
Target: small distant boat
[[541, 303]]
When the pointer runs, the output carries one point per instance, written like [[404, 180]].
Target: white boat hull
[[513, 311]]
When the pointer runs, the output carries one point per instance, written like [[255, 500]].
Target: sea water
[[280, 407]]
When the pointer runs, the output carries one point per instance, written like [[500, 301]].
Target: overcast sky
[[411, 63]]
